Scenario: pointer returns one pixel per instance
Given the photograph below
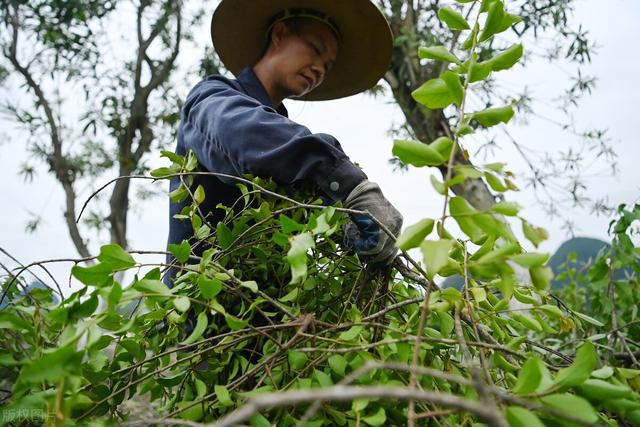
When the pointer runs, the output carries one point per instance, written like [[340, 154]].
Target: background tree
[[123, 102]]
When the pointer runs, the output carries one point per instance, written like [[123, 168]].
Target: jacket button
[[334, 186]]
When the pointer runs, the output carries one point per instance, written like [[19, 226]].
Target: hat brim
[[239, 27]]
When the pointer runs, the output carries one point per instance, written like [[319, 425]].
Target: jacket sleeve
[[231, 132]]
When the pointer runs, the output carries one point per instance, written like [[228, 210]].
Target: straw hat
[[239, 30]]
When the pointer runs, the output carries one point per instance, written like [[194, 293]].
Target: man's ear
[[278, 32]]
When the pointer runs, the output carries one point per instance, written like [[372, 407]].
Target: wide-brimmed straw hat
[[239, 30]]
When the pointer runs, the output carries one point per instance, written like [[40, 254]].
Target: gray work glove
[[362, 233]]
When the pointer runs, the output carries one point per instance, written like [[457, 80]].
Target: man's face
[[303, 57]]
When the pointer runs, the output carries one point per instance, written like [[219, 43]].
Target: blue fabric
[[234, 129]]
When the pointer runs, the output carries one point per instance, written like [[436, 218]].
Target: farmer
[[279, 49]]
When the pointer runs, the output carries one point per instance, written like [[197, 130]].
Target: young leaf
[[96, 275], [223, 395], [199, 195], [493, 116], [377, 419], [436, 255], [182, 304], [541, 276], [599, 390], [338, 364], [297, 359], [530, 259], [435, 94], [521, 417], [453, 19], [415, 234], [201, 324], [527, 321], [456, 90], [416, 153], [580, 370], [439, 53], [535, 235], [507, 58], [297, 256], [209, 288], [531, 376], [572, 405], [116, 257], [494, 20], [234, 323], [181, 251], [251, 285], [152, 286], [506, 208], [588, 319]]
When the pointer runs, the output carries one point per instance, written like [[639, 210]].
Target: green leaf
[[416, 153], [535, 235], [435, 94], [439, 53], [251, 285], [521, 417], [223, 234], [541, 276], [530, 259], [580, 370], [507, 58], [438, 186], [338, 364], [495, 183], [572, 405], [435, 254], [531, 376], [552, 311], [51, 366], [415, 234], [297, 359], [259, 420], [350, 334], [455, 89], [464, 215], [297, 256], [527, 321], [493, 116], [588, 319], [162, 172], [443, 145], [199, 195], [182, 304], [599, 390], [222, 394], [494, 20], [201, 325], [96, 275], [453, 19], [152, 286], [234, 323], [209, 288], [181, 251], [506, 208], [116, 257], [377, 419]]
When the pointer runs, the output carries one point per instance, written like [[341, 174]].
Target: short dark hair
[[294, 24]]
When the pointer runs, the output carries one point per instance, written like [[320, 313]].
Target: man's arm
[[233, 133]]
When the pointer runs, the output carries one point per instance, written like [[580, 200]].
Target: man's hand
[[362, 233]]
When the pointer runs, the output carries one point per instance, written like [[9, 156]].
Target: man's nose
[[319, 70]]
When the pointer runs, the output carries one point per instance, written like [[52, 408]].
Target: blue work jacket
[[234, 129]]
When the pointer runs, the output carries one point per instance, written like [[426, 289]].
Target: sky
[[362, 123]]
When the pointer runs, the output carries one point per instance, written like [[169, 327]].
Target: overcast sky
[[362, 123]]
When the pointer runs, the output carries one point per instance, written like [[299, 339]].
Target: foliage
[[277, 324]]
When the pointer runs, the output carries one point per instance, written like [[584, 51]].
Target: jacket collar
[[253, 87]]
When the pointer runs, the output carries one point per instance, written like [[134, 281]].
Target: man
[[281, 49]]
